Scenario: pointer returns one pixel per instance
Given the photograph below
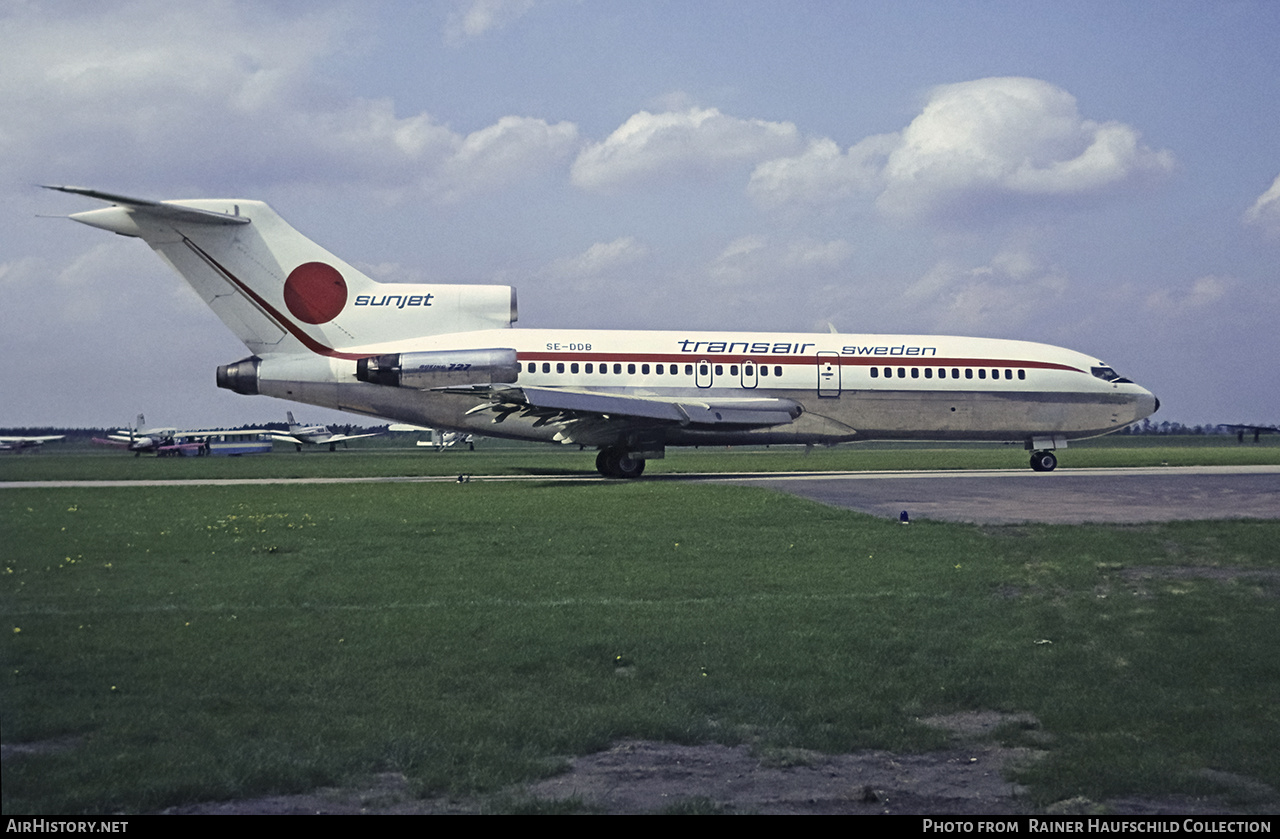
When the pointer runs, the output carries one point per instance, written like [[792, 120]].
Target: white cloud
[[505, 152], [973, 140], [1011, 136], [473, 18], [600, 258], [998, 297], [191, 92], [679, 142], [1205, 292], [756, 261], [822, 173], [1265, 212]]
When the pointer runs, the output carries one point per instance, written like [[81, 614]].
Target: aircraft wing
[[594, 417], [285, 438], [10, 444], [110, 441], [341, 438]]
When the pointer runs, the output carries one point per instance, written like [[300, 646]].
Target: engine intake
[[444, 368]]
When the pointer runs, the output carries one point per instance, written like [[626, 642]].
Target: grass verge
[[185, 644]]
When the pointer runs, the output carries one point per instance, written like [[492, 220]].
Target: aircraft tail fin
[[280, 292]]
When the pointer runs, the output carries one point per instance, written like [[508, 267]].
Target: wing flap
[[563, 405]]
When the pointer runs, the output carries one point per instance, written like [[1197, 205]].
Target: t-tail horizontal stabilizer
[[280, 292]]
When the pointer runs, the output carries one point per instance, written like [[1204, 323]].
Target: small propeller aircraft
[[314, 435], [170, 442]]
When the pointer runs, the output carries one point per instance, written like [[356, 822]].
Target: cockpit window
[[1109, 375]]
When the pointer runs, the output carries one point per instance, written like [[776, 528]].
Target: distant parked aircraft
[[170, 442], [21, 444], [314, 435], [1256, 430]]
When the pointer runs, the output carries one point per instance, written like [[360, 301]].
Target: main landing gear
[[1044, 461], [619, 463]]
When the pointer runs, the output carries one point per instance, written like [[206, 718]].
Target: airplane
[[22, 444], [440, 438], [446, 356], [1255, 430], [150, 441], [170, 442], [315, 435]]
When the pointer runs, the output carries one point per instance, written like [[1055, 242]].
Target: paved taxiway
[[1067, 496]]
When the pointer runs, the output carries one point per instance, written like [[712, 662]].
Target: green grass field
[[493, 457], [193, 643]]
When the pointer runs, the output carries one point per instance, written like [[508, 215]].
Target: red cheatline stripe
[[270, 311], [843, 361]]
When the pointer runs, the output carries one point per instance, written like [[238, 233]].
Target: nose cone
[[1145, 405]]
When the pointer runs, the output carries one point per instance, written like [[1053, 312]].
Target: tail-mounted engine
[[242, 377], [445, 368]]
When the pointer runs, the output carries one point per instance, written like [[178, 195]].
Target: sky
[[1103, 176]]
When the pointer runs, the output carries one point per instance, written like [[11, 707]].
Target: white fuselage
[[851, 387]]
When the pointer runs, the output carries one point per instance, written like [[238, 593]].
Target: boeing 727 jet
[[446, 356]]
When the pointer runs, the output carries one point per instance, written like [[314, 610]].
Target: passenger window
[[928, 372], [617, 369], [982, 374], [560, 367], [688, 370], [1008, 374], [702, 369], [915, 372], [968, 373], [1022, 374], [546, 366], [902, 372], [658, 370], [764, 371], [777, 370], [590, 368], [733, 369], [875, 372], [644, 369], [631, 369], [573, 368], [955, 372], [719, 369]]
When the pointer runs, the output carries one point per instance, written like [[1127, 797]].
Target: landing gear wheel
[[1044, 461], [618, 463]]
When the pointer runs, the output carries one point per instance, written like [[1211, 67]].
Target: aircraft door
[[750, 372], [702, 375], [829, 374]]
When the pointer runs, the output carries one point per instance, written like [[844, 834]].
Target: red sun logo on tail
[[315, 292]]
